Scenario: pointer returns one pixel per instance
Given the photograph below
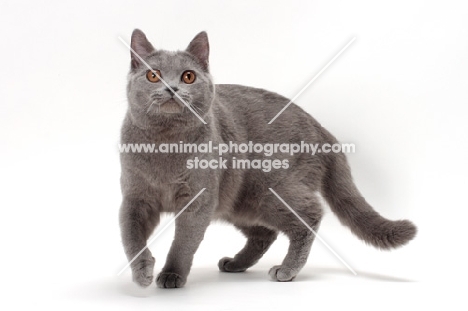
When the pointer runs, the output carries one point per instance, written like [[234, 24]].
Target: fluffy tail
[[353, 210]]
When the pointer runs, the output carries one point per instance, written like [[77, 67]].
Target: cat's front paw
[[142, 272], [228, 264], [281, 274], [170, 280]]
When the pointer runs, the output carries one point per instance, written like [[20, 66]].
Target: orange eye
[[188, 76], [153, 75]]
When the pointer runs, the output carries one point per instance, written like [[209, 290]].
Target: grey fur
[[156, 183]]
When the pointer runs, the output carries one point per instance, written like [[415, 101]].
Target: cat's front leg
[[138, 219], [190, 230]]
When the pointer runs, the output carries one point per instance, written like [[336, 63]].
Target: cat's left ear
[[200, 48]]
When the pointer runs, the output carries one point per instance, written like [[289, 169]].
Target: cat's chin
[[171, 106]]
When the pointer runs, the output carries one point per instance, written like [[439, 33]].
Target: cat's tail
[[353, 211]]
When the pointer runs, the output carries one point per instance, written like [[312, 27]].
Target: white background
[[399, 93]]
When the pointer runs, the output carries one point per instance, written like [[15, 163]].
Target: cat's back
[[253, 108], [249, 97]]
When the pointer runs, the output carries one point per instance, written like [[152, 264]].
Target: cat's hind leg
[[259, 240], [305, 203], [300, 243]]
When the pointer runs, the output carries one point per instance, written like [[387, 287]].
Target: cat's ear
[[141, 46], [200, 48]]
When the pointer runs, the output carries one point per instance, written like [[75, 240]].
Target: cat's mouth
[[171, 106]]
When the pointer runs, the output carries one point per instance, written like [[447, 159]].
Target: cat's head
[[162, 84]]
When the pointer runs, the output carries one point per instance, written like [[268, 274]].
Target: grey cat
[[155, 183]]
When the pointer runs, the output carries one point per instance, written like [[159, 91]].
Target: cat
[[162, 105]]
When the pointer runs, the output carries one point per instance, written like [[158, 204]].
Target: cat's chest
[[164, 168], [162, 178]]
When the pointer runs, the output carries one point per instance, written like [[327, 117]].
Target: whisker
[[149, 107], [194, 108], [198, 109]]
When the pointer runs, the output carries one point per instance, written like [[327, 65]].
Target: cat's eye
[[188, 76], [153, 75]]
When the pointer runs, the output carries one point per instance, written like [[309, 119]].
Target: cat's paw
[[170, 280], [228, 264], [142, 272], [281, 274]]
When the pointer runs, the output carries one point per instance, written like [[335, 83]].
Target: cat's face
[[160, 96]]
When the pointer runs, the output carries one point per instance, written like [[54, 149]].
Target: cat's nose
[[174, 89]]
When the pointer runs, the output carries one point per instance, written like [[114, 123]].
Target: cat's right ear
[[140, 46]]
